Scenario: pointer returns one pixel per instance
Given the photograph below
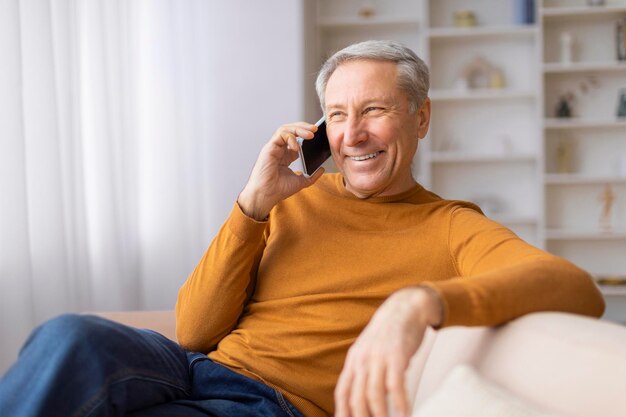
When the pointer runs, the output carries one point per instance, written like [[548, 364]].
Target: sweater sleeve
[[500, 277], [212, 299]]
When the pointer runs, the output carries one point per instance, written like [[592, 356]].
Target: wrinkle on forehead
[[359, 83]]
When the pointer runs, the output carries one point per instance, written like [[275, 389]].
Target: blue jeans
[[79, 366]]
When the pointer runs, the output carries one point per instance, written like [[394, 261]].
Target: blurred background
[[128, 128]]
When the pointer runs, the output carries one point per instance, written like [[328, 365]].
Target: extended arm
[[499, 277]]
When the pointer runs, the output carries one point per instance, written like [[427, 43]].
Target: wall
[[248, 82]]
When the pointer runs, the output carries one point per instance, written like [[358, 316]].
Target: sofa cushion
[[464, 393]]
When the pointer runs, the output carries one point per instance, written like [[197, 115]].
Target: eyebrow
[[384, 100]]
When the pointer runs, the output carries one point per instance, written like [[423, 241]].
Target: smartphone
[[314, 152]]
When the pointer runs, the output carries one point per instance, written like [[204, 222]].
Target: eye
[[373, 110], [334, 115]]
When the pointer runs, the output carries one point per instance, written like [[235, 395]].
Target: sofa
[[542, 364]]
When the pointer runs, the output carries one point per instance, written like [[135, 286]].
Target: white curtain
[[127, 128]]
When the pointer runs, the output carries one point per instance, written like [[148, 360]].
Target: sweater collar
[[335, 184]]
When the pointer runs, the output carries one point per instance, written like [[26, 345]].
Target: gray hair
[[413, 77]]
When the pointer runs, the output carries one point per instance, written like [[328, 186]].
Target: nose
[[355, 132]]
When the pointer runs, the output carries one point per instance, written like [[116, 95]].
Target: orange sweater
[[281, 301]]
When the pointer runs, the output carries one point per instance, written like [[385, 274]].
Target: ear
[[423, 113]]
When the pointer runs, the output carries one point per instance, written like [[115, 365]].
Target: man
[[316, 291]]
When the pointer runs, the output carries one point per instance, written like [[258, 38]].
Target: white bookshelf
[[495, 137], [595, 137], [458, 157], [437, 95], [465, 141], [582, 123], [463, 34], [384, 22], [553, 10]]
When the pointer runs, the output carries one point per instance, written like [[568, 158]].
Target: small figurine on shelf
[[464, 18], [567, 48], [367, 9], [564, 106], [607, 198], [620, 41], [480, 73], [621, 104], [564, 157]]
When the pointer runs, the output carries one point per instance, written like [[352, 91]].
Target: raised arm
[[212, 299]]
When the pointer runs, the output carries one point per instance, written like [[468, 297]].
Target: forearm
[[547, 283], [501, 277], [210, 302]]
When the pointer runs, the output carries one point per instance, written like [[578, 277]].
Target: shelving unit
[[540, 175], [583, 152], [468, 156]]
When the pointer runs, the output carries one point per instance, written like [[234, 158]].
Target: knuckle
[[393, 384]]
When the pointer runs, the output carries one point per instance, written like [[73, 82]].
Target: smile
[[365, 157]]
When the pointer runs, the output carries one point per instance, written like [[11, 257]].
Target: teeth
[[364, 157]]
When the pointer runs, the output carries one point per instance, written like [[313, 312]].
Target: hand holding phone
[[314, 152]]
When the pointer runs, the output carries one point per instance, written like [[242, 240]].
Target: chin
[[364, 188]]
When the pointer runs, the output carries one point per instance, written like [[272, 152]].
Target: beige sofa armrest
[[562, 363], [163, 322]]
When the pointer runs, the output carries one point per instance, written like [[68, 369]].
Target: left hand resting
[[374, 370]]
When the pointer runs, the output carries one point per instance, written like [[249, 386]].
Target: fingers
[[373, 388], [358, 398], [342, 393], [372, 382], [376, 392], [397, 391], [288, 134]]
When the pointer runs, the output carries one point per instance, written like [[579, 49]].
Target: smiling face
[[372, 133]]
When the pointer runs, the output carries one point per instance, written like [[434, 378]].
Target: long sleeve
[[212, 299], [501, 277], [330, 259]]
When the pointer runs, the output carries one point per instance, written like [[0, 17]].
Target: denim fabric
[[86, 366]]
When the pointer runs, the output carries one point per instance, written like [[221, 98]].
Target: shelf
[[576, 179], [458, 157], [379, 21], [480, 94], [580, 123], [581, 11], [481, 31], [613, 290], [564, 234], [558, 68]]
